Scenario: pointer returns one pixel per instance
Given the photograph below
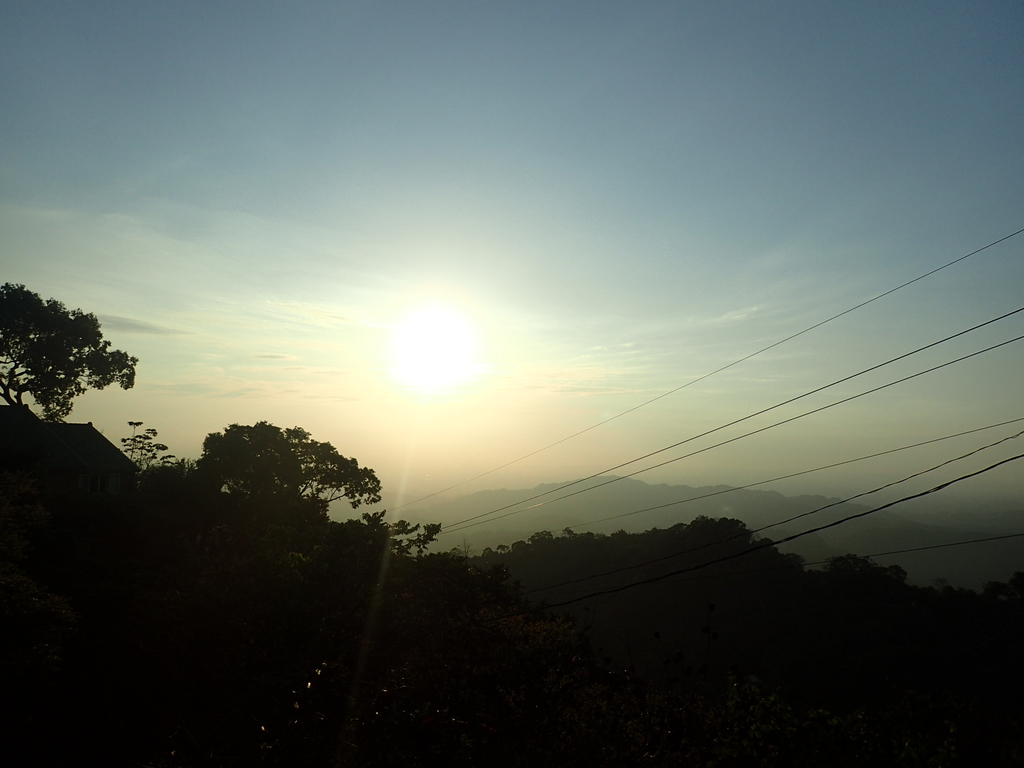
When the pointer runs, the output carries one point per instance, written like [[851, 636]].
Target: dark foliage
[[54, 354], [34, 621], [262, 462], [144, 449], [205, 627]]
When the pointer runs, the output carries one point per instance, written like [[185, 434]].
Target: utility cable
[[787, 539], [755, 531], [666, 580], [543, 607], [716, 371], [767, 544], [794, 474], [465, 523], [723, 426], [827, 560]]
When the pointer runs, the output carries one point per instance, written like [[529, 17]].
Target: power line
[[897, 482], [796, 474], [755, 531], [827, 560], [933, 546], [769, 544], [730, 424], [802, 565], [765, 545], [468, 522], [716, 371]]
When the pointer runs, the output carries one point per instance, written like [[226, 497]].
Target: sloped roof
[[66, 447]]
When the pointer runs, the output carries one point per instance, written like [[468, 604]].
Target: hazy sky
[[601, 201]]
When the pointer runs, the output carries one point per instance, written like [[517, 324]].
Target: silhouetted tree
[[206, 635], [54, 354], [263, 460], [143, 449]]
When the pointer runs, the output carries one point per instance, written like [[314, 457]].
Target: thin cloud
[[131, 325]]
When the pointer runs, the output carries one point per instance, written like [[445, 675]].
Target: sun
[[434, 347]]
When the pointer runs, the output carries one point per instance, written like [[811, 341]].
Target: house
[[68, 456]]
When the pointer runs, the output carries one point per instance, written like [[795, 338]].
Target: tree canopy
[[54, 354], [143, 448], [263, 459], [202, 638]]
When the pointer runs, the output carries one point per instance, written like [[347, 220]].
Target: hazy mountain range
[[635, 506]]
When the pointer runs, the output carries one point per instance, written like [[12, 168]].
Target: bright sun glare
[[433, 347]]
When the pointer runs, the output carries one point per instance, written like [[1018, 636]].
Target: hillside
[[635, 506]]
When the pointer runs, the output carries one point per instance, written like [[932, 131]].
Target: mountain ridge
[[628, 502]]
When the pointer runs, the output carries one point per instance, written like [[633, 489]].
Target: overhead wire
[[827, 560], [785, 540], [472, 521], [751, 532], [790, 475], [716, 371], [539, 607], [933, 546], [536, 608]]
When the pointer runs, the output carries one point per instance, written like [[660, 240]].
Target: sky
[[444, 235]]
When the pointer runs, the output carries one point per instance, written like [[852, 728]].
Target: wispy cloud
[[732, 316], [131, 325]]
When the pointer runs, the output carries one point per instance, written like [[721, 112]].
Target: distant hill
[[636, 506]]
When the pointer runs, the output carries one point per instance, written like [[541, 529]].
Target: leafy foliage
[[851, 634], [34, 621], [143, 448], [264, 460], [54, 354], [223, 629]]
